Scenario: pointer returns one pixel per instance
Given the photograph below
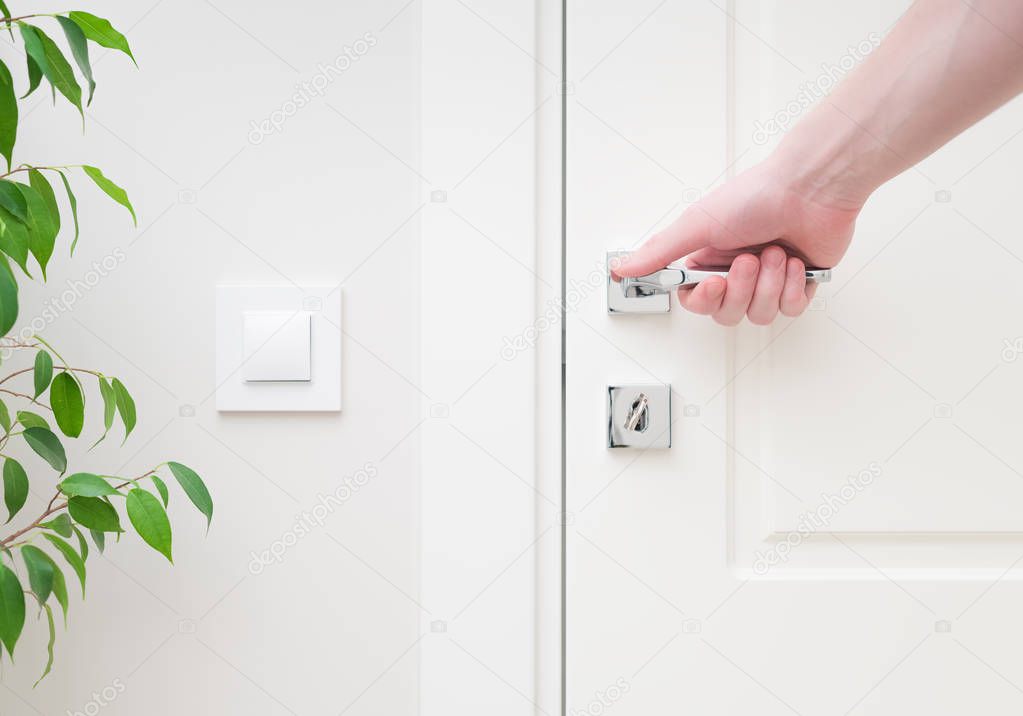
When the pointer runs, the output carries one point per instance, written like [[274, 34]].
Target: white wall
[[325, 199]]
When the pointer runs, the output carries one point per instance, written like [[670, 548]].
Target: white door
[[836, 527]]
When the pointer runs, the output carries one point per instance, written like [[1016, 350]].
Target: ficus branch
[[9, 20], [29, 167], [27, 397], [57, 367], [53, 508]]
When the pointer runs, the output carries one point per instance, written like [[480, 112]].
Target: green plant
[[30, 223]]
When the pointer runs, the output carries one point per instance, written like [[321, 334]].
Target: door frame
[[523, 63]]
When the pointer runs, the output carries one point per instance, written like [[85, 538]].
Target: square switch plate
[[278, 348]]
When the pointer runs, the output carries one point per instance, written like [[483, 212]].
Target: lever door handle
[[678, 275], [651, 293]]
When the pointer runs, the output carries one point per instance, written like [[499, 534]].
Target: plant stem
[[9, 20], [51, 508], [27, 397], [59, 367], [28, 167]]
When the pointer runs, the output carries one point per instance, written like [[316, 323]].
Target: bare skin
[[945, 65]]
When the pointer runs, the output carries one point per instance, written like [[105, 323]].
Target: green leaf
[[14, 237], [49, 644], [8, 297], [68, 404], [109, 402], [8, 115], [47, 446], [42, 225], [5, 417], [99, 539], [150, 521], [6, 14], [109, 407], [35, 55], [15, 487], [101, 32], [195, 488], [85, 484], [31, 420], [161, 487], [61, 524], [55, 66], [59, 587], [12, 608], [74, 208], [12, 200], [71, 556], [125, 406], [79, 50], [35, 74], [83, 546], [110, 189], [40, 571], [94, 513], [42, 374], [38, 181]]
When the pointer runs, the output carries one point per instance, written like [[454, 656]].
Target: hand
[[768, 226]]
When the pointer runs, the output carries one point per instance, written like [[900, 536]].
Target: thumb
[[688, 233]]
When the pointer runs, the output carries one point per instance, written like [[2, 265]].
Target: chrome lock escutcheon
[[639, 416]]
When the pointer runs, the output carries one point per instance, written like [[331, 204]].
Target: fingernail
[[774, 259]]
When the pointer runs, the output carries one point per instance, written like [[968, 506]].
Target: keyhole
[[638, 419]]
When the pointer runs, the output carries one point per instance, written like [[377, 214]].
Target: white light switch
[[277, 346]]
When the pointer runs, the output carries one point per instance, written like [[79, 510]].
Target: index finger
[[693, 230]]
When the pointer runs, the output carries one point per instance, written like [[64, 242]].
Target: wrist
[[831, 160]]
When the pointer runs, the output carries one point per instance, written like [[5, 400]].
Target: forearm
[[944, 66]]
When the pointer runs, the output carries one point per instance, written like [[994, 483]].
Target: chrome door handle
[[652, 293], [677, 275]]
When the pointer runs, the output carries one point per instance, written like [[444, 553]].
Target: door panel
[[836, 527]]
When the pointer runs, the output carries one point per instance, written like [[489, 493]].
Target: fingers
[[770, 282], [691, 231], [797, 292], [739, 287], [759, 288], [705, 298]]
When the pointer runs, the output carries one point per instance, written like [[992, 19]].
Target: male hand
[[768, 228]]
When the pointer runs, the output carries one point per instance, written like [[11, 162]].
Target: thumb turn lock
[[639, 416]]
